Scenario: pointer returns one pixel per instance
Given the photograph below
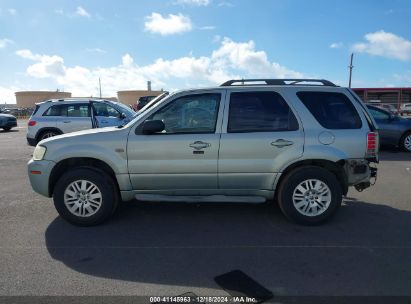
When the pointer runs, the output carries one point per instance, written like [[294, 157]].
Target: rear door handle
[[282, 143], [67, 121], [198, 145]]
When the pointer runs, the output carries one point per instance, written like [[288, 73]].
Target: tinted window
[[56, 110], [74, 110], [105, 110], [78, 110], [378, 114], [190, 114], [260, 112], [331, 110]]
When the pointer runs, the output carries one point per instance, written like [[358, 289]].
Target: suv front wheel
[[309, 195], [85, 197]]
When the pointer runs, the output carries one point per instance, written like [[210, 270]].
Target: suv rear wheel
[[309, 195], [47, 134], [85, 197]]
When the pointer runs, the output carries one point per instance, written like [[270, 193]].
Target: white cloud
[[208, 28], [12, 11], [80, 11], [46, 66], [173, 24], [385, 44], [194, 2], [96, 50], [27, 54], [336, 45], [127, 60], [7, 95], [4, 42], [230, 60]]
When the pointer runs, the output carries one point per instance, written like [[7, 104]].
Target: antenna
[[350, 67]]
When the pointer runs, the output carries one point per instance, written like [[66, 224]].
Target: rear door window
[[78, 110], [259, 112], [74, 110], [331, 110]]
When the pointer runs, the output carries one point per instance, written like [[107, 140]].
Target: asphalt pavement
[[170, 249]]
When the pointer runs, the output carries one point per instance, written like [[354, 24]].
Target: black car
[[7, 121], [393, 130]]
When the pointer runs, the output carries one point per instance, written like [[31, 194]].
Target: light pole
[[350, 67]]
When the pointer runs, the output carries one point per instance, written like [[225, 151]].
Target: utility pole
[[350, 67], [99, 84]]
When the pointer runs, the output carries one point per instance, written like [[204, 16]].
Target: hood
[[97, 133]]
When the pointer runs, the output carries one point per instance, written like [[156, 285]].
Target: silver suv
[[58, 116], [301, 143]]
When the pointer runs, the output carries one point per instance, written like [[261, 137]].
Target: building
[[394, 96], [28, 99], [130, 97]]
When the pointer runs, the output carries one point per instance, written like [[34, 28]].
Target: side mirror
[[123, 115], [153, 126]]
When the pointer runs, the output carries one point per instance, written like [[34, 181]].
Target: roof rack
[[287, 81]]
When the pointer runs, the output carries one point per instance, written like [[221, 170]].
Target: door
[[260, 135], [75, 117], [182, 159], [106, 115]]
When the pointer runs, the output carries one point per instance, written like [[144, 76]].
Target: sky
[[68, 45]]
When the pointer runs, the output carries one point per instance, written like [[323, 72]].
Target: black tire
[[104, 183], [47, 134], [403, 144], [7, 129], [293, 180]]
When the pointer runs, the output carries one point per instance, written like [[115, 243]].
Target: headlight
[[39, 152]]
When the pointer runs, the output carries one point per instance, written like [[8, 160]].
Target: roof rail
[[286, 81]]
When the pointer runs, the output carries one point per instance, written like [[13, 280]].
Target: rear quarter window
[[56, 110], [331, 110]]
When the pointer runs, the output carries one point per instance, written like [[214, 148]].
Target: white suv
[[58, 116]]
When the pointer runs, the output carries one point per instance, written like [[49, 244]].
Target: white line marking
[[213, 247]]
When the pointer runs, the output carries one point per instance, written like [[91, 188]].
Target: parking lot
[[171, 249]]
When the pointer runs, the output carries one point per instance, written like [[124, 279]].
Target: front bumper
[[39, 175]]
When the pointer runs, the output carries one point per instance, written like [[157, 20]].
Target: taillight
[[372, 144], [32, 123]]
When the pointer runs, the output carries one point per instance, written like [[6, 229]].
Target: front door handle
[[282, 143], [198, 145], [67, 121]]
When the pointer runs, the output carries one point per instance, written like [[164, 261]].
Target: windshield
[[126, 110], [154, 103]]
